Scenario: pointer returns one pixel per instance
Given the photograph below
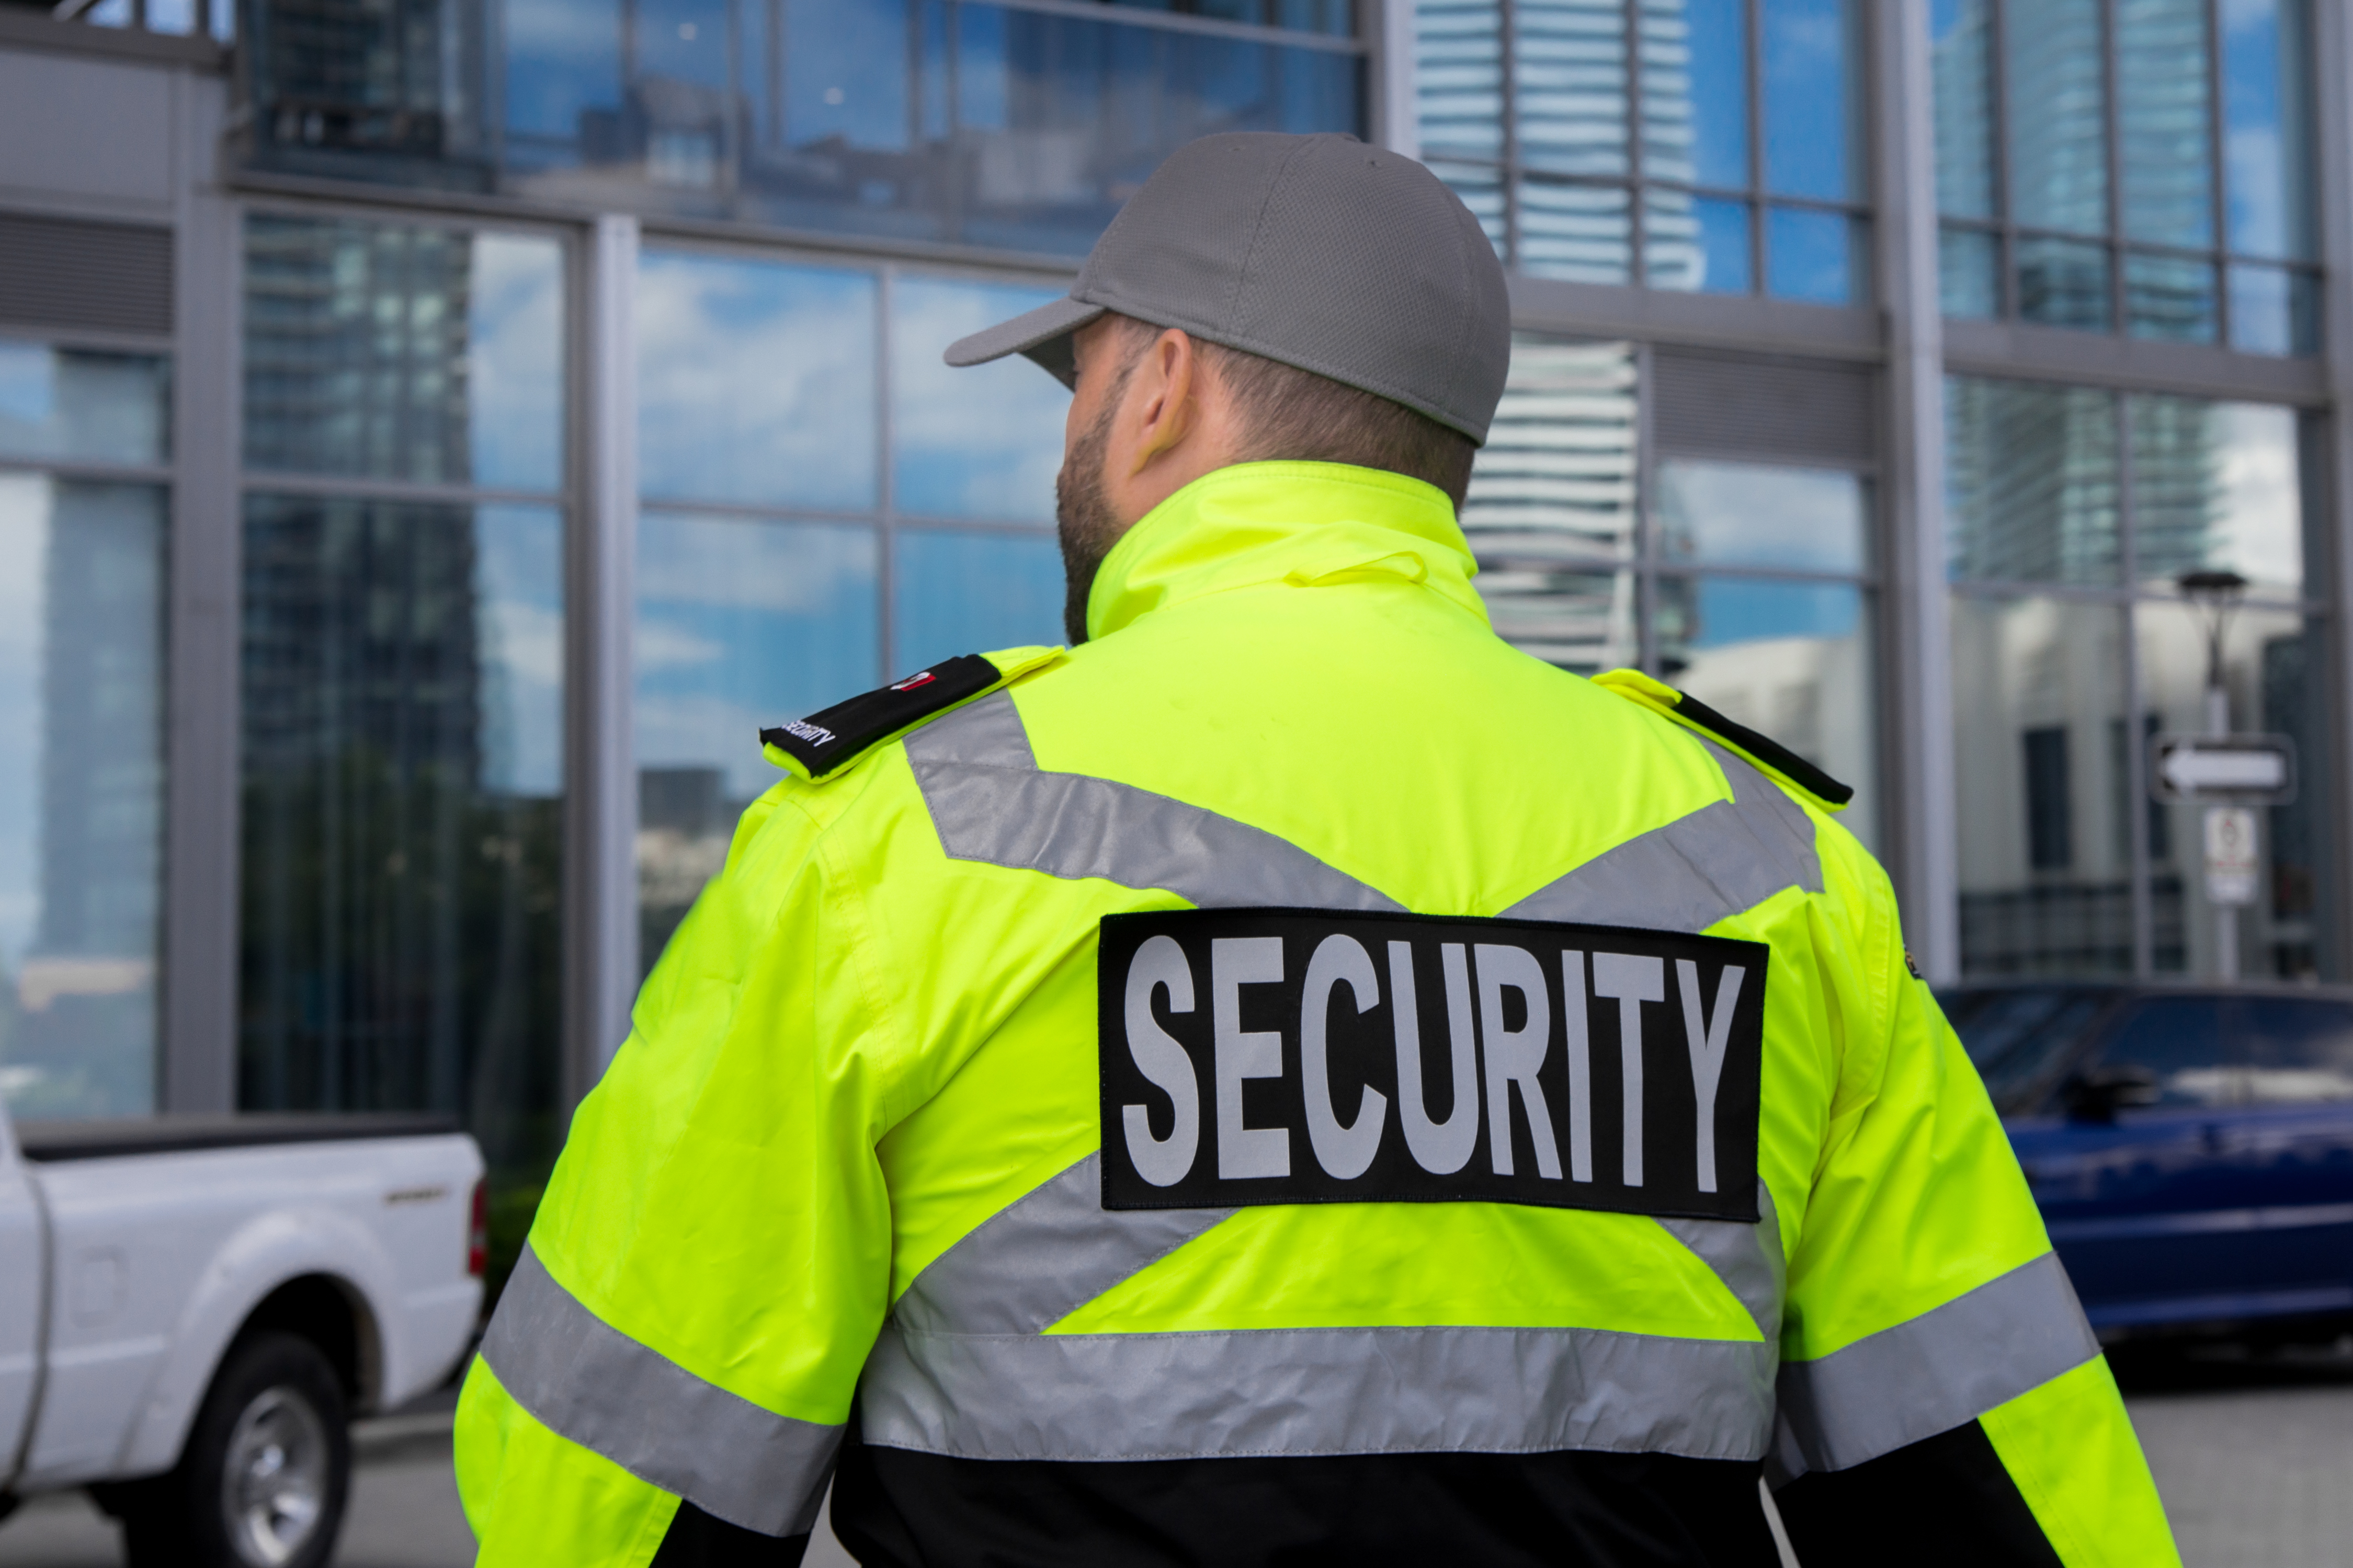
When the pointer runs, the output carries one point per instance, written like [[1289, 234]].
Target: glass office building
[[436, 435]]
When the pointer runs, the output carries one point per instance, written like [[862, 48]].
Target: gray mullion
[[2219, 215], [363, 488], [2006, 218], [1636, 208], [2135, 791], [1182, 22], [1752, 68], [1752, 573], [1507, 97], [88, 473], [2112, 125]]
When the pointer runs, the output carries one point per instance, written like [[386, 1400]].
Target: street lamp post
[[2214, 595]]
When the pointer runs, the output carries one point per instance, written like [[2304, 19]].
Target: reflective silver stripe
[[991, 802], [662, 1424], [1315, 1390], [1042, 1257], [1726, 856], [1747, 1258], [1932, 1374]]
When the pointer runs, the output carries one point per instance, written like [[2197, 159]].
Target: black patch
[[1766, 750], [696, 1540], [1948, 1501], [1210, 1099], [823, 742]]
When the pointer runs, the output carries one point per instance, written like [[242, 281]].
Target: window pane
[[953, 593], [1962, 59], [1814, 255], [1459, 77], [1551, 511], [2267, 126], [2062, 283], [1577, 232], [1809, 90], [2170, 299], [1694, 243], [984, 441], [755, 381], [403, 701], [1761, 514], [403, 352], [81, 794], [2215, 486], [562, 79], [1695, 92], [1791, 660], [98, 408], [1969, 273], [2031, 476], [2058, 136], [740, 625], [2037, 686], [2274, 310], [2271, 666], [2162, 116], [1569, 85]]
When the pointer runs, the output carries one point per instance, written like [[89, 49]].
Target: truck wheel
[[264, 1477]]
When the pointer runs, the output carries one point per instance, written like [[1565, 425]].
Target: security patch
[[823, 742], [1255, 1056]]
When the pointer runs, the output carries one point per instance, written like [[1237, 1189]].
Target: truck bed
[[46, 1142]]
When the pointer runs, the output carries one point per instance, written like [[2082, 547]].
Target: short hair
[[1289, 415]]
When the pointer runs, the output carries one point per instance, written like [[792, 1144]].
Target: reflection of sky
[[1735, 610], [1719, 92], [1806, 97], [27, 391], [519, 598], [24, 551], [685, 40], [755, 381], [833, 84], [981, 442], [956, 593], [1807, 256], [1760, 514], [743, 623], [514, 363], [2254, 116], [562, 57], [2258, 524]]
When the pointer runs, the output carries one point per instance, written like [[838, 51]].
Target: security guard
[[1290, 1080]]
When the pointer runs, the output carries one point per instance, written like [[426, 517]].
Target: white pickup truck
[[191, 1310]]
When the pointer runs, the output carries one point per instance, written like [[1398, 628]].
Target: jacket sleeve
[[1942, 1398], [668, 1374]]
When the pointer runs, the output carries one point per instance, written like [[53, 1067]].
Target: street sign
[[2223, 770], [2231, 862]]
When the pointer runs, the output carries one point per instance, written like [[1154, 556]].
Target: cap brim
[[1043, 334]]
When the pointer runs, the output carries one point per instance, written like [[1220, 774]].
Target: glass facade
[[824, 500], [84, 445], [1010, 125], [403, 670], [2072, 515], [1746, 583], [1706, 145], [2137, 167]]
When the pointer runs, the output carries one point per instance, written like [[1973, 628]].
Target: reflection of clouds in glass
[[27, 383], [980, 442], [516, 361], [562, 56], [2258, 205], [710, 729], [746, 565], [519, 598], [755, 381], [666, 645], [2259, 507], [1760, 514], [24, 550]]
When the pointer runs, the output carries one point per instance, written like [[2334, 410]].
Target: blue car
[[2192, 1150]]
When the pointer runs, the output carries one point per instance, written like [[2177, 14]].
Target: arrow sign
[[2223, 770]]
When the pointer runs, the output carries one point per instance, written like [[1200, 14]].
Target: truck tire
[[268, 1468]]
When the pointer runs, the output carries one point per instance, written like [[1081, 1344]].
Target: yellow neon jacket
[[855, 1134]]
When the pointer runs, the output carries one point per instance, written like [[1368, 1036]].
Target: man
[[1290, 1080]]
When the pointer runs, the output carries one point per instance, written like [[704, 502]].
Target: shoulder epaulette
[[1762, 750], [827, 741]]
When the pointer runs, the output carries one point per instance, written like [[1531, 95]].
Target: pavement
[[2252, 1450]]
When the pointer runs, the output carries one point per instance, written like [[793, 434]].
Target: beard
[[1084, 521]]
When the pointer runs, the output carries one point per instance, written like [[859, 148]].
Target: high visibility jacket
[[868, 1195]]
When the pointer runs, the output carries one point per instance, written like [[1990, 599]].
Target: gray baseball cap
[[1344, 259]]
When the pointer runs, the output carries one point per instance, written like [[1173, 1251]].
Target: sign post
[[2229, 775]]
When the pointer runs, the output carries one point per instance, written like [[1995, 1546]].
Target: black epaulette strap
[[1764, 749], [826, 741]]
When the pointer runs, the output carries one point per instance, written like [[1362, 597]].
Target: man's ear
[[1161, 394]]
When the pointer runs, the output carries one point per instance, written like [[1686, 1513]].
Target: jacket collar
[[1305, 524]]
